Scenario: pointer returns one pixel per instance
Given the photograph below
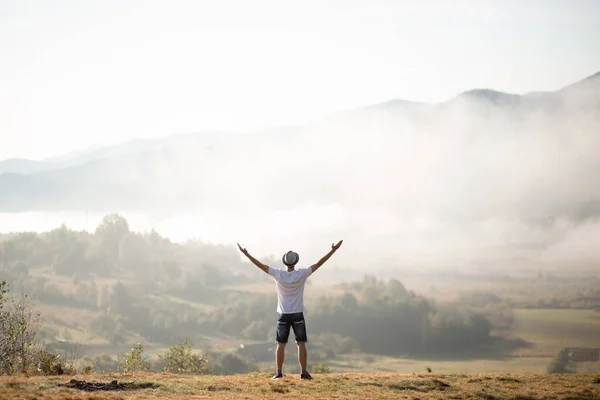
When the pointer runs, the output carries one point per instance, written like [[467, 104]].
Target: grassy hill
[[324, 386]]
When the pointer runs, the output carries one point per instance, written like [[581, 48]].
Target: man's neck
[[290, 269]]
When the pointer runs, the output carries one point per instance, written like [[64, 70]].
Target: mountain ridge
[[24, 165], [195, 169]]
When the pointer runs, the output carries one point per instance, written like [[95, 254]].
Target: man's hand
[[260, 265], [243, 250], [334, 248]]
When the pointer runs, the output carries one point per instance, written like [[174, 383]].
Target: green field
[[375, 363], [172, 302], [546, 331], [401, 365], [551, 330]]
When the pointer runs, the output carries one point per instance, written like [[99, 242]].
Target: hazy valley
[[471, 230]]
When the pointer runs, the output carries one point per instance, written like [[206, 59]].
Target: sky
[[75, 74]]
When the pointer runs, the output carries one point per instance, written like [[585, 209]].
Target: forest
[[143, 286]]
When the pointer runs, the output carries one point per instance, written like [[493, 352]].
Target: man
[[290, 304]]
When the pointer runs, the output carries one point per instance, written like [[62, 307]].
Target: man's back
[[290, 305], [290, 289]]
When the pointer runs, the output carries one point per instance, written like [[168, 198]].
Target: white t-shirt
[[290, 288]]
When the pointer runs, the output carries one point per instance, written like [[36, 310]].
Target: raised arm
[[334, 248], [254, 260]]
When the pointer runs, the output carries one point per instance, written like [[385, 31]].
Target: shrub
[[133, 361], [47, 363], [559, 365], [19, 325], [180, 360], [322, 368], [87, 369]]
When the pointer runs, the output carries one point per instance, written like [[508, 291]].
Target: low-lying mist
[[483, 179]]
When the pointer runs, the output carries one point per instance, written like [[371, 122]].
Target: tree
[[134, 361], [111, 231], [113, 225], [396, 289], [3, 291], [120, 300], [19, 325], [348, 301], [559, 365], [71, 259], [1, 256], [134, 253]]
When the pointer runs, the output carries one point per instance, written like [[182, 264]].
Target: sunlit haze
[[262, 131], [403, 191], [78, 74]]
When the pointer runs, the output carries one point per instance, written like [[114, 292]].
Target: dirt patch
[[507, 379], [486, 396], [421, 386], [523, 398], [217, 388], [475, 380], [440, 384], [279, 389], [101, 386]]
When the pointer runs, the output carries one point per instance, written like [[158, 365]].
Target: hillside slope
[[327, 386]]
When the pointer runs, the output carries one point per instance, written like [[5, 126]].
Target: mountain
[[492, 96], [97, 152], [18, 165], [292, 166]]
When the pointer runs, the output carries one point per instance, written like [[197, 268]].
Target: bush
[[322, 368], [180, 360], [133, 361], [49, 364], [19, 325], [559, 365]]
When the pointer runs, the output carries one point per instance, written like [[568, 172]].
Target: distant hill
[[22, 166], [492, 96], [214, 168]]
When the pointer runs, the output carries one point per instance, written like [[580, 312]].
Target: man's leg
[[302, 356], [282, 334], [301, 339], [279, 357]]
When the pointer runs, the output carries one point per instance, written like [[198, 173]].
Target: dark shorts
[[296, 322]]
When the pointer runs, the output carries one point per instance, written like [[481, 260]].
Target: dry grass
[[328, 386]]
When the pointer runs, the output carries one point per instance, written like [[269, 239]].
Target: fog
[[483, 178]]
